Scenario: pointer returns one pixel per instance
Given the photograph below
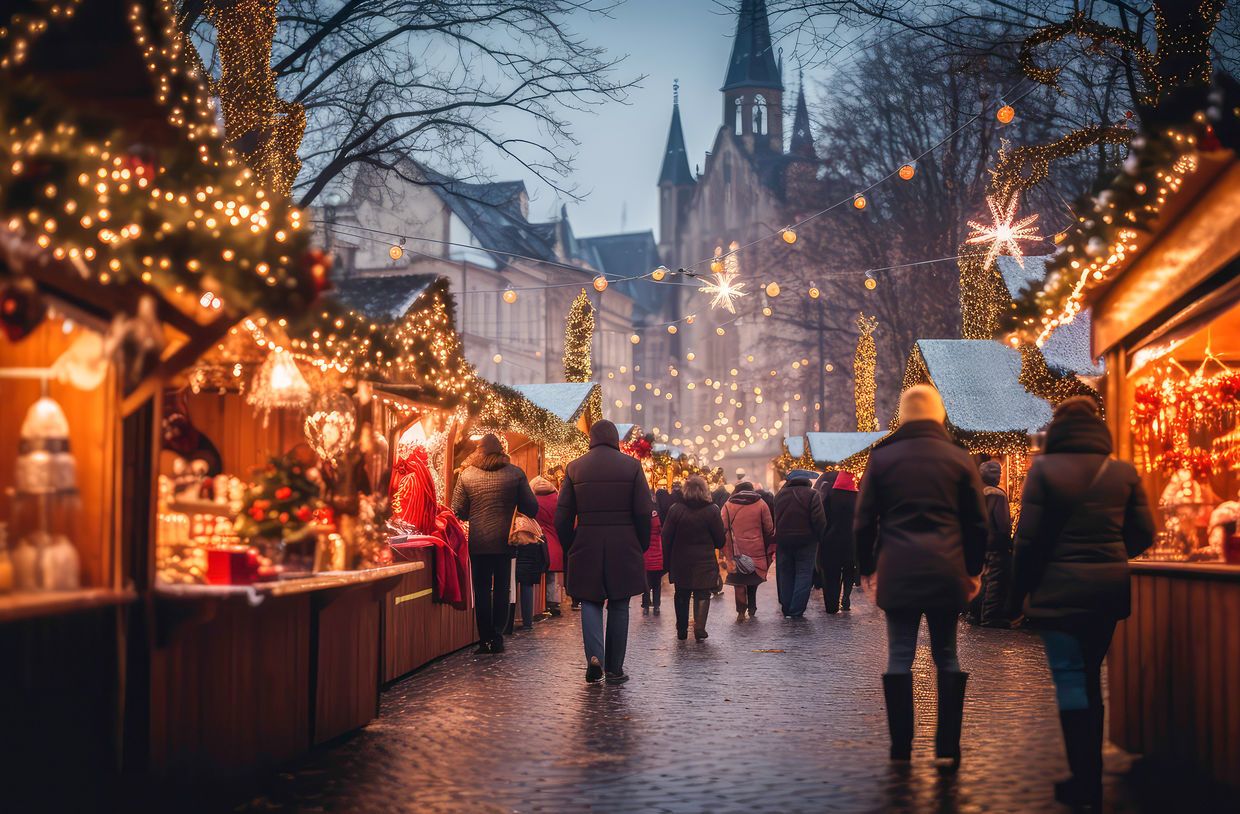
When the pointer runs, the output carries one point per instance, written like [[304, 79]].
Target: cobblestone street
[[771, 715]]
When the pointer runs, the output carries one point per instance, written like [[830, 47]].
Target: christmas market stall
[[1156, 264], [841, 450], [989, 411]]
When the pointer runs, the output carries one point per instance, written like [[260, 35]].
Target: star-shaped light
[[1004, 233], [724, 289]]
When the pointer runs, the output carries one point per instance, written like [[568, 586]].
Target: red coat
[[654, 554], [546, 520]]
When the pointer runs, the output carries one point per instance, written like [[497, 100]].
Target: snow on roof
[[979, 380], [624, 429], [796, 445], [386, 297], [834, 447], [1069, 348], [564, 400]]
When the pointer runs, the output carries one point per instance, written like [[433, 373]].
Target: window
[[759, 115], [740, 115]]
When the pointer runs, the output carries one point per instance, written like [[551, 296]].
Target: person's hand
[[868, 583]]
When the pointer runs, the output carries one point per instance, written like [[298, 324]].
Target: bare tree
[[448, 83]]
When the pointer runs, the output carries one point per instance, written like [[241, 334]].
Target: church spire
[[753, 63], [802, 144], [675, 169]]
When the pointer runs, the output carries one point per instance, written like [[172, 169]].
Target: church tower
[[753, 89], [802, 144], [676, 182]]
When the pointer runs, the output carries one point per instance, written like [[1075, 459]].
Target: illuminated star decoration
[[724, 288], [1003, 233]]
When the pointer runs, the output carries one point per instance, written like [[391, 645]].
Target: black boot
[[898, 693], [1082, 740], [701, 609], [951, 716]]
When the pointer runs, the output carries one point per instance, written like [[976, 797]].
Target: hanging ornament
[[788, 235], [724, 290], [600, 284], [659, 274], [397, 250], [859, 201], [907, 171], [278, 385], [870, 282], [1005, 113], [21, 309], [329, 425], [45, 465], [1003, 232], [510, 296], [316, 265], [814, 292]]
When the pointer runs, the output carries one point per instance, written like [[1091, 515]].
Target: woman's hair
[[696, 489]]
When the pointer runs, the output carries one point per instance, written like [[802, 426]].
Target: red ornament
[[317, 265], [21, 309], [284, 493]]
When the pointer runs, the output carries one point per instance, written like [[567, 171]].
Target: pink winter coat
[[654, 554], [546, 520], [748, 525]]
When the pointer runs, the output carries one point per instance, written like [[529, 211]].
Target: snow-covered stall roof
[[795, 445], [979, 380], [834, 447], [1068, 349], [624, 430], [565, 400]]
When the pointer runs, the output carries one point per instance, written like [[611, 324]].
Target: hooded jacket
[[486, 494], [547, 496], [750, 530], [921, 523], [603, 520], [1074, 541], [837, 549], [691, 535], [799, 516]]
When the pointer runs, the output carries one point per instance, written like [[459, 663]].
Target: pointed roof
[[802, 139], [564, 400], [675, 169], [753, 62]]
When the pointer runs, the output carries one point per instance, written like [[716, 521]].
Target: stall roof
[[624, 430], [387, 297], [1068, 349], [979, 380], [834, 447], [795, 445], [564, 400]]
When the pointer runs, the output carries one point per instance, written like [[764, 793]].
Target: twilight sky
[[622, 144]]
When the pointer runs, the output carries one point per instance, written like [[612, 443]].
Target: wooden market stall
[[828, 450], [1164, 289]]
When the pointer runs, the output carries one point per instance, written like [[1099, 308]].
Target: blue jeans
[[609, 650], [1075, 659], [794, 576], [902, 629]]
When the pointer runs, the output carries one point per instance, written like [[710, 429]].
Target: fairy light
[[865, 360]]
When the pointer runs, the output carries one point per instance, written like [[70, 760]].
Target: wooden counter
[[1174, 667], [416, 628], [246, 678]]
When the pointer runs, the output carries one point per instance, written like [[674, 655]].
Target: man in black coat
[[603, 521], [921, 527], [800, 524], [997, 575]]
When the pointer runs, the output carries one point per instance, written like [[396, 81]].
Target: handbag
[[744, 563], [524, 530]]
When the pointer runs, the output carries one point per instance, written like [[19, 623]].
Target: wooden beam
[[197, 344]]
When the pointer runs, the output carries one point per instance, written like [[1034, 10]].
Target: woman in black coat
[[692, 533], [533, 560], [837, 553], [1083, 515], [921, 527], [603, 522]]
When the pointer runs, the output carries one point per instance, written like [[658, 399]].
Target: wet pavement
[[771, 715]]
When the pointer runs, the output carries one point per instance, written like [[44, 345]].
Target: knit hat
[[921, 403], [542, 486], [992, 472], [1077, 405], [490, 445], [743, 486]]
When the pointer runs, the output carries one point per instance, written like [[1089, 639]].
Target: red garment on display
[[414, 503], [456, 586], [413, 491]]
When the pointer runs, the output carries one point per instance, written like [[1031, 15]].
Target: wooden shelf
[[37, 604], [1188, 570], [289, 587]]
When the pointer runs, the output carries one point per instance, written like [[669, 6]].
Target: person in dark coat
[[490, 488], [532, 562], [837, 559], [719, 496], [800, 524], [603, 520], [1083, 515], [691, 536], [665, 500], [921, 527], [992, 601]]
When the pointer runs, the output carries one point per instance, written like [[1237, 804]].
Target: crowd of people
[[927, 532]]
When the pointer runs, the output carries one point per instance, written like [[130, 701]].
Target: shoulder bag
[[744, 563], [523, 530]]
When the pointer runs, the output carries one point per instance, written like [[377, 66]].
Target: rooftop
[[565, 400], [1069, 348], [836, 447], [387, 297], [979, 380]]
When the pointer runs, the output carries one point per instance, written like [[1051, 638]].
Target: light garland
[[865, 360]]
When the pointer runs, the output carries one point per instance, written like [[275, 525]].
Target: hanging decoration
[[329, 425], [865, 359], [724, 287], [1004, 233], [278, 385], [21, 308]]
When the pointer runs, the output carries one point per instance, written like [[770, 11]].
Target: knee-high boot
[[898, 693], [1082, 740], [951, 717], [701, 609]]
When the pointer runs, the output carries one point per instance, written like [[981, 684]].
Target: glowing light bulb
[[396, 251], [772, 289], [510, 296], [1005, 114], [659, 273], [600, 283], [907, 171], [859, 201], [788, 235]]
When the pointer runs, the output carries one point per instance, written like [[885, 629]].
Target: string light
[[789, 235], [600, 284], [814, 291], [907, 171], [1005, 113], [859, 201], [865, 360], [1005, 232], [659, 274], [510, 296]]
